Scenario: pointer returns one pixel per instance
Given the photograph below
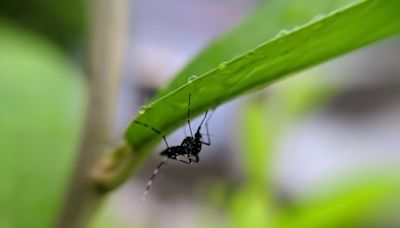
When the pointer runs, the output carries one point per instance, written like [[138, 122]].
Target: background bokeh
[[319, 149]]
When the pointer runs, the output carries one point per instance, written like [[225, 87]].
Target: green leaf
[[339, 32], [41, 102], [263, 24]]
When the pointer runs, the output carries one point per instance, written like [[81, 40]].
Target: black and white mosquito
[[187, 152]]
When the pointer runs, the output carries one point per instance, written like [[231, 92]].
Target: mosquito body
[[187, 152]]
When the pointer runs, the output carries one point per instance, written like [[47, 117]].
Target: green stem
[[107, 24]]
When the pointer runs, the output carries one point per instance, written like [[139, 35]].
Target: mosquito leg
[[208, 134], [155, 130], [202, 121], [188, 116]]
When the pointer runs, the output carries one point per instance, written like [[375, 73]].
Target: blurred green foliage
[[64, 23], [346, 201], [41, 103], [264, 122], [351, 201]]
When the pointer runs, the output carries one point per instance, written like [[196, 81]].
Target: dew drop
[[250, 53], [143, 109], [317, 18], [282, 33], [222, 66], [192, 78]]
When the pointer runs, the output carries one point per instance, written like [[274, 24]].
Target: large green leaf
[[262, 24], [326, 37], [41, 101]]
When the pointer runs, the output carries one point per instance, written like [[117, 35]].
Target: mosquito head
[[166, 152], [198, 134]]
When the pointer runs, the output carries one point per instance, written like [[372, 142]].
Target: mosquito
[[187, 152]]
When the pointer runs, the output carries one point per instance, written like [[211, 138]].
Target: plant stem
[[107, 32]]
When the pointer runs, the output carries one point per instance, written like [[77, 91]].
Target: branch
[[107, 25]]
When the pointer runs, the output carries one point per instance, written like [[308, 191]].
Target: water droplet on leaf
[[222, 66], [192, 78], [143, 109], [317, 18], [282, 33]]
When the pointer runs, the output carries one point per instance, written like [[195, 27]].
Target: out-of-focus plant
[[41, 97], [64, 25], [345, 202], [41, 104], [264, 121]]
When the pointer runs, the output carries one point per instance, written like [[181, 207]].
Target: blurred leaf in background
[[349, 200], [41, 104], [355, 200], [264, 123], [62, 22]]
